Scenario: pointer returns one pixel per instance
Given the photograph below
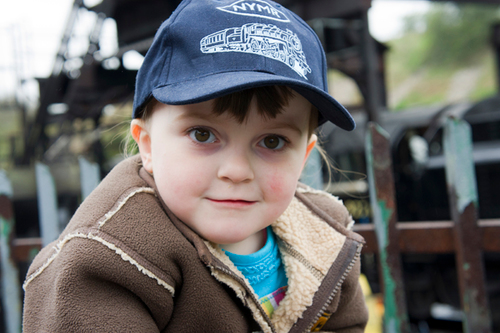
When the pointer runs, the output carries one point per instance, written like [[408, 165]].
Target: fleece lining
[[318, 244]]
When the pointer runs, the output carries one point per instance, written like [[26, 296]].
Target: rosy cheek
[[276, 185], [275, 182], [280, 186]]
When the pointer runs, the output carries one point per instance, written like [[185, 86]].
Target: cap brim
[[220, 84]]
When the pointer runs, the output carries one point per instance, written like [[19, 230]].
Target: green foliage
[[454, 33], [426, 65], [405, 55], [430, 91], [487, 85]]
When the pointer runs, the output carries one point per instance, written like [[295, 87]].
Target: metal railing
[[465, 236]]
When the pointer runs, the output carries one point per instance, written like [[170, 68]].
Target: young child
[[208, 229]]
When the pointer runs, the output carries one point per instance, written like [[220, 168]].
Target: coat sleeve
[[87, 287], [350, 313]]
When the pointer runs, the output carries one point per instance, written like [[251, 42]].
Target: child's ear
[[141, 135], [310, 146]]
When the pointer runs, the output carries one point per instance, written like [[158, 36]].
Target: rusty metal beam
[[383, 203], [438, 236], [410, 238], [24, 249]]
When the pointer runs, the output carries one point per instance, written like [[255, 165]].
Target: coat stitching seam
[[111, 213], [58, 247]]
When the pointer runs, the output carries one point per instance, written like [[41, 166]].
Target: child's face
[[225, 180]]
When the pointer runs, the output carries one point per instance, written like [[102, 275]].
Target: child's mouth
[[232, 202]]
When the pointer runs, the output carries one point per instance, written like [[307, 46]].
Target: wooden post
[[462, 192], [89, 176], [382, 197], [11, 289], [47, 204]]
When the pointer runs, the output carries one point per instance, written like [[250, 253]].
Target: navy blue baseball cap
[[210, 48]]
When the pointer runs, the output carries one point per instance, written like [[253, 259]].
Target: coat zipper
[[337, 287], [249, 292], [299, 257]]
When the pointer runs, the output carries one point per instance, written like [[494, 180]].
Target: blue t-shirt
[[265, 272]]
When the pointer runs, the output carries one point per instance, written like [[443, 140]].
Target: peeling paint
[[462, 190], [377, 214], [5, 227], [457, 144], [480, 314], [393, 322], [384, 213], [47, 204], [11, 295], [5, 185], [32, 254], [89, 176], [395, 317], [391, 326]]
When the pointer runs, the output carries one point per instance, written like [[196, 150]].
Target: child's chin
[[227, 239]]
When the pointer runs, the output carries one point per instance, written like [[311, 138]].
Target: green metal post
[[11, 289], [47, 204], [382, 198], [312, 174], [462, 192], [89, 176]]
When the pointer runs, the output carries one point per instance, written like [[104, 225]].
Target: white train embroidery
[[263, 39]]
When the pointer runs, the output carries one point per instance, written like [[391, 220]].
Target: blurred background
[[67, 73]]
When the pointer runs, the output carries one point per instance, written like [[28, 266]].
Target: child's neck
[[249, 245]]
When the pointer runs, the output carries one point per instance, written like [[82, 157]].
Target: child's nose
[[236, 167]]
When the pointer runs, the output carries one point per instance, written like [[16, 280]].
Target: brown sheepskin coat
[[125, 263]]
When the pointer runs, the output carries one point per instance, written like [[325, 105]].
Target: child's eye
[[202, 135], [273, 142]]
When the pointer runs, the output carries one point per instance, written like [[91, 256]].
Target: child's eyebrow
[[275, 124], [285, 125], [194, 114]]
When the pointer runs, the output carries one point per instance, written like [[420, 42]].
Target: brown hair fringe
[[270, 102]]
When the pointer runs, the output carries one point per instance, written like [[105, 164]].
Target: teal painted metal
[[312, 174], [382, 198], [90, 176], [11, 289], [459, 162], [462, 191], [47, 204]]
